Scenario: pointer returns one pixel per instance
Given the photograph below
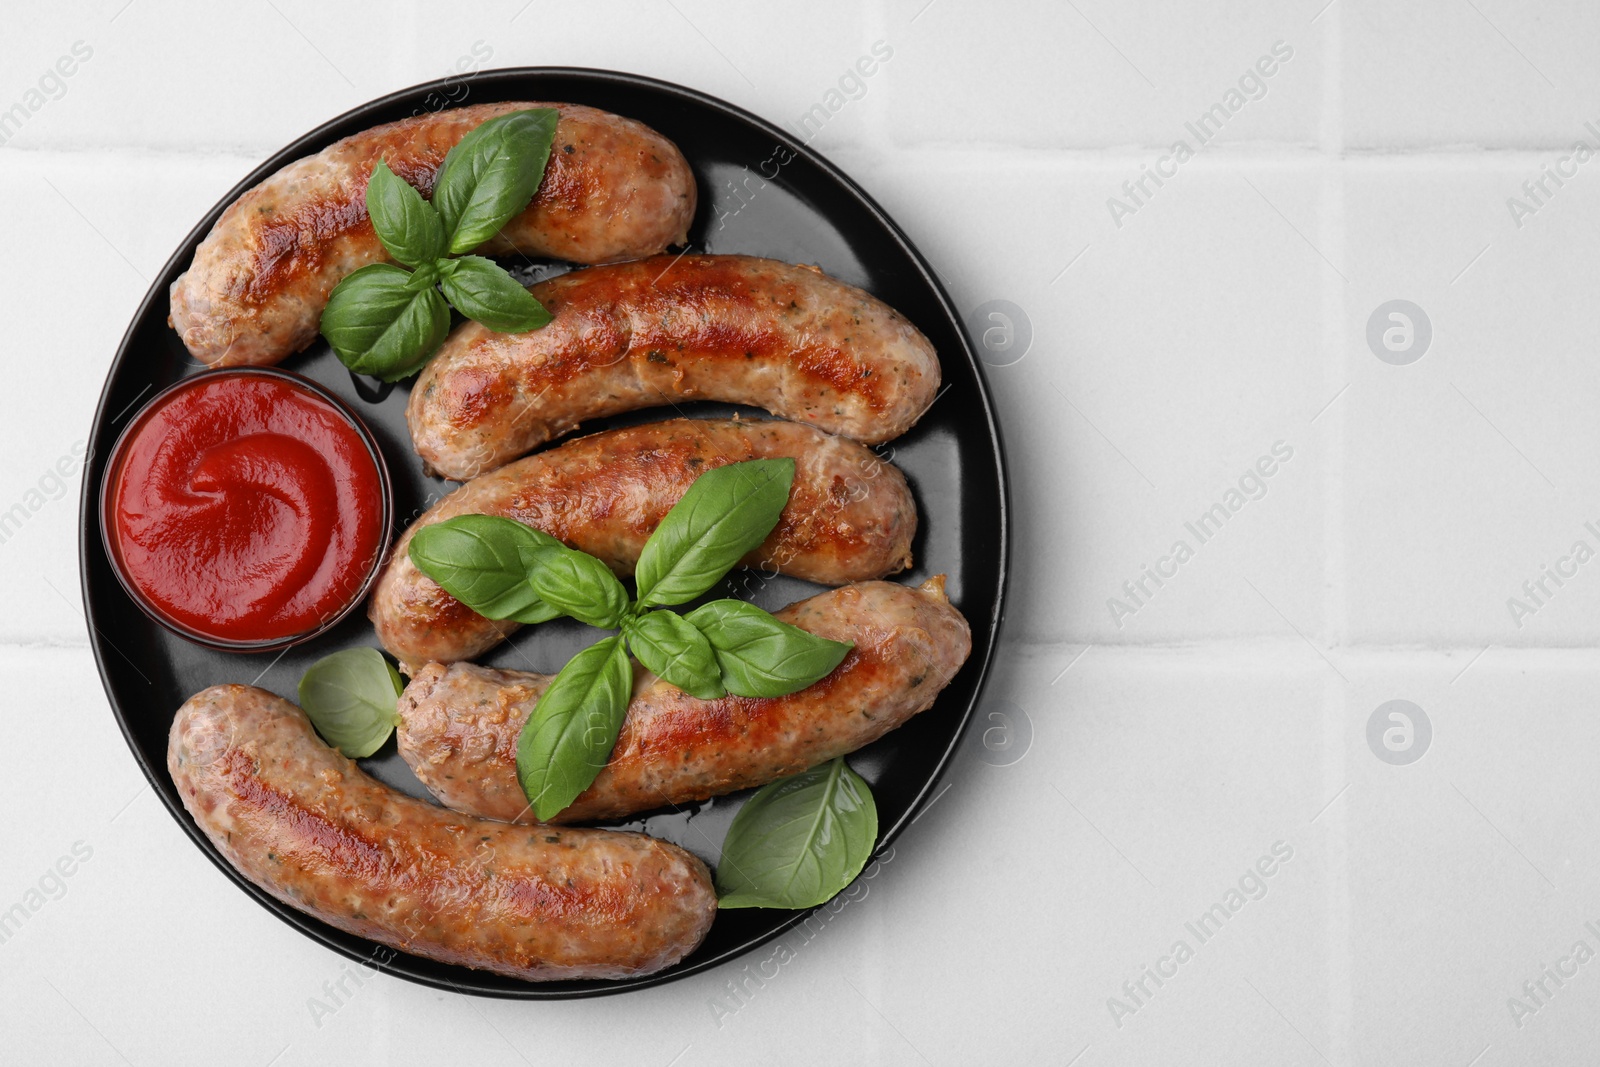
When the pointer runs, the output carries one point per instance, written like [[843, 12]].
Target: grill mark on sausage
[[333, 841], [311, 829], [747, 330], [294, 247]]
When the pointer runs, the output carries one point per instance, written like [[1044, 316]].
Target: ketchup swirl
[[246, 507]]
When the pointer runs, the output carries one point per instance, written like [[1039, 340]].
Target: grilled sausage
[[459, 724], [850, 517], [306, 825], [614, 189], [789, 339]]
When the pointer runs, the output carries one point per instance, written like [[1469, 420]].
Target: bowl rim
[[111, 480]]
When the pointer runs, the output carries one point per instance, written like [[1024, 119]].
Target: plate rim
[[980, 660]]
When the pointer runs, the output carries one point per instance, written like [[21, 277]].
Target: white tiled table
[[1152, 762]]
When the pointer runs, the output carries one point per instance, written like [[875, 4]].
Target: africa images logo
[[1252, 485], [1252, 85], [1251, 885]]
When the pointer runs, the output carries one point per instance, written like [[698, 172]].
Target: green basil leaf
[[570, 734], [491, 174], [407, 225], [351, 698], [799, 841], [377, 325], [483, 561], [577, 584], [759, 656], [425, 276], [485, 293], [725, 514], [667, 644]]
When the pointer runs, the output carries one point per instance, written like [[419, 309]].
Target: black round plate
[[754, 199]]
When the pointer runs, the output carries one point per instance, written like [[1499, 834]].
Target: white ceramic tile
[[175, 77], [1097, 74], [1468, 471], [1167, 358], [1467, 870], [1490, 73]]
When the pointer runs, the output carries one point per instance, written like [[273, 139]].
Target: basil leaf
[[491, 174], [799, 841], [570, 734], [668, 645], [759, 656], [351, 697], [483, 561], [425, 276], [377, 325], [485, 293], [407, 225], [725, 514], [577, 584]]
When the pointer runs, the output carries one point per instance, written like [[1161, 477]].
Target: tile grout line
[[1454, 654], [1336, 292], [876, 25]]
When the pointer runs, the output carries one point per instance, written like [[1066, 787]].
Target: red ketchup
[[246, 508]]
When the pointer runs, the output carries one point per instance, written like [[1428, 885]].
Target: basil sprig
[[411, 230], [569, 737], [502, 569], [387, 321], [484, 293], [483, 561], [491, 174], [717, 521], [576, 584], [672, 647], [379, 324], [798, 841], [759, 656], [350, 697]]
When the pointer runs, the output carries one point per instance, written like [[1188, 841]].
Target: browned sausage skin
[[614, 189], [305, 824], [459, 724], [788, 339], [850, 517]]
